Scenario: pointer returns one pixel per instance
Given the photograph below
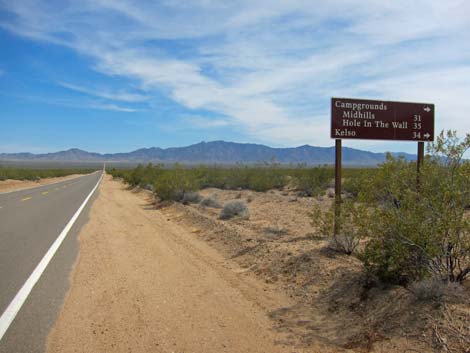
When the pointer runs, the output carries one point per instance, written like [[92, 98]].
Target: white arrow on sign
[[427, 135], [427, 109]]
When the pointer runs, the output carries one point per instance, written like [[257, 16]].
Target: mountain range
[[215, 152]]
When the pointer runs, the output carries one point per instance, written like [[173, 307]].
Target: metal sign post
[[419, 163], [337, 186], [378, 120]]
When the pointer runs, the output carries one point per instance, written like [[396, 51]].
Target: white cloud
[[205, 123], [269, 67], [82, 104], [112, 107], [115, 96]]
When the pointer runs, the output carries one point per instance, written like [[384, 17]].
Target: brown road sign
[[381, 120]]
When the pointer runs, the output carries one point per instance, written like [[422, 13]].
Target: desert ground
[[173, 277]]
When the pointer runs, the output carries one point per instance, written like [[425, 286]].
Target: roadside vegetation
[[37, 174], [400, 259], [410, 232], [402, 232], [172, 183]]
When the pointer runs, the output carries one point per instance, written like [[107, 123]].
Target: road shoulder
[[143, 283]]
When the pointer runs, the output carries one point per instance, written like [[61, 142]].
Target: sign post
[[378, 120], [337, 185], [419, 163]]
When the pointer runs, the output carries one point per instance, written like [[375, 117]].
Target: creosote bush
[[312, 181], [234, 208], [171, 182], [415, 233], [410, 232], [353, 224], [352, 185]]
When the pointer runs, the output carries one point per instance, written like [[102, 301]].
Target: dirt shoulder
[[176, 278], [143, 283], [335, 302], [16, 185]]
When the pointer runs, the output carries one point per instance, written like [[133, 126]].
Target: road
[[30, 222]]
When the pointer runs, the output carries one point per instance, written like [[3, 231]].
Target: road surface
[[30, 222]]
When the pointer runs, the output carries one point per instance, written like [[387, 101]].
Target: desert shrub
[[415, 233], [262, 177], [143, 176], [259, 177], [118, 173], [353, 226], [149, 187], [429, 289], [234, 208], [210, 201], [312, 181], [344, 243], [135, 177], [191, 197], [173, 184], [354, 181], [266, 178]]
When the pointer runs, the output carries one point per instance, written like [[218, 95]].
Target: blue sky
[[114, 76]]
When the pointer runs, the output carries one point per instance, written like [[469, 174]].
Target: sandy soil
[[15, 185], [175, 278], [335, 302], [143, 283]]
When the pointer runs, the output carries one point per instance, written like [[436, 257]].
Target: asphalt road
[[30, 221]]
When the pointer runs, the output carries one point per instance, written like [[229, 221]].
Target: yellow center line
[[26, 199], [45, 193]]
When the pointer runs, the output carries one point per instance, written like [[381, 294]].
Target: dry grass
[[451, 332]]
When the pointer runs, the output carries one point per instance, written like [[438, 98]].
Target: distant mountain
[[216, 152]]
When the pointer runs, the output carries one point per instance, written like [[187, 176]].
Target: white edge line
[[40, 186], [14, 307]]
